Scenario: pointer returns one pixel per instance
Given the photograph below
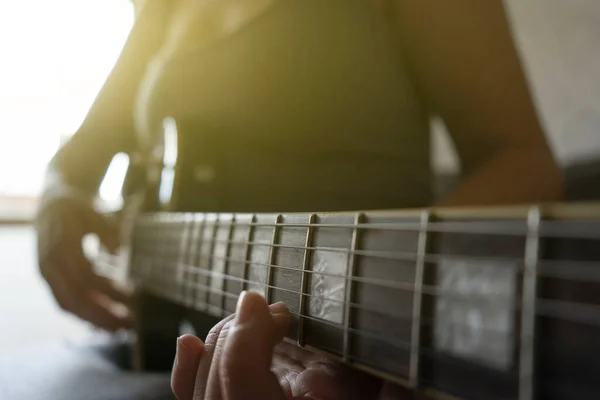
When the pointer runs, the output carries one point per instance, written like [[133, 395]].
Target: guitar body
[[494, 303]]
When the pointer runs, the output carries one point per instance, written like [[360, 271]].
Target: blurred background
[[56, 55], [55, 58]]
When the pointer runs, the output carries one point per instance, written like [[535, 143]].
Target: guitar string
[[401, 344], [542, 307], [430, 352], [401, 286], [395, 285], [560, 310], [548, 267], [585, 229], [363, 307], [571, 270], [557, 309], [366, 253], [389, 255]]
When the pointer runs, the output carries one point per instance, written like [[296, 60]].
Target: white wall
[[560, 45]]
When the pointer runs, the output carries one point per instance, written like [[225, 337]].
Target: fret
[[206, 259], [350, 272], [270, 263], [260, 254], [226, 263], [196, 223], [528, 306], [183, 255], [197, 254], [211, 265], [415, 341], [304, 281], [248, 252]]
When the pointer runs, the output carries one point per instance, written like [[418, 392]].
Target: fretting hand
[[244, 358]]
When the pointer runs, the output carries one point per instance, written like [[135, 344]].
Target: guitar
[[480, 303]]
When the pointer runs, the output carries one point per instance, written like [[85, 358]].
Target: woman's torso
[[288, 106]]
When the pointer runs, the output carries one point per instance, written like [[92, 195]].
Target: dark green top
[[309, 107]]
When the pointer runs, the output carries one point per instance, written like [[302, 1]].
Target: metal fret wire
[[195, 255], [417, 301], [248, 252], [215, 227], [226, 263], [272, 258], [528, 307], [350, 271], [186, 239], [497, 227], [304, 279]]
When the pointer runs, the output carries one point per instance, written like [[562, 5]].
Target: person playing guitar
[[325, 103]]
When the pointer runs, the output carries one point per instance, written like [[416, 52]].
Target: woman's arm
[[108, 127], [465, 64]]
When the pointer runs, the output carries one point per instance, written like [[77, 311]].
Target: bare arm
[[465, 64]]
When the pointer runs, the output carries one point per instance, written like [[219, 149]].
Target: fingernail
[[277, 308], [248, 305], [180, 355]]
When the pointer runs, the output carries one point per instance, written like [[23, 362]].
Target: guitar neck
[[445, 301]]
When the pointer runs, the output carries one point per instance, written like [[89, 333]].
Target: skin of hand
[[244, 358], [61, 224]]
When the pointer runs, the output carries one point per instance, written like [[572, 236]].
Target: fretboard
[[462, 302]]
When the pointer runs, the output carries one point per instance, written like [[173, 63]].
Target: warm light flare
[[55, 57]]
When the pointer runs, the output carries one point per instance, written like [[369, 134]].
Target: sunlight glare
[[56, 56]]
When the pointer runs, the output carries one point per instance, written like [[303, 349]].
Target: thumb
[[246, 363]]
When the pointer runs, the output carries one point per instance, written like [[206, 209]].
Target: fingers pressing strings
[[245, 365], [237, 354]]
